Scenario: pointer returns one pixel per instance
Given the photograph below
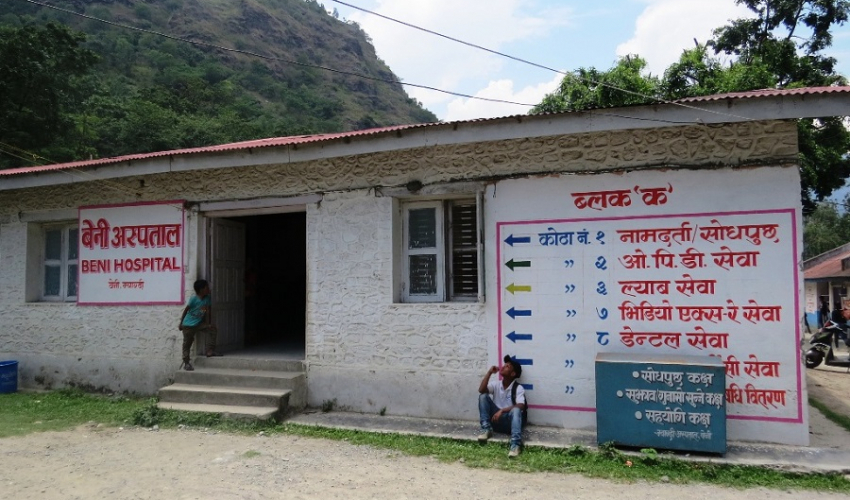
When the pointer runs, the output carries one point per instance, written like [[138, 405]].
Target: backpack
[[513, 398]]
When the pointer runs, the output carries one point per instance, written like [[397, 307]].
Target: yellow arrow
[[518, 288]]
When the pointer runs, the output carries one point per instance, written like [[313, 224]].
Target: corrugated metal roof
[[308, 139], [768, 93], [829, 268], [257, 143]]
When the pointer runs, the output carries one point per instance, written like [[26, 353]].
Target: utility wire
[[531, 63], [367, 77], [85, 175], [457, 40], [17, 156], [278, 59], [33, 157], [397, 82], [73, 172], [833, 203]]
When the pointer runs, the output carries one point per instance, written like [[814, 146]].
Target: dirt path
[[187, 464], [91, 462], [830, 386]]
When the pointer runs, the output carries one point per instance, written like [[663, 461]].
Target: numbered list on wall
[[719, 284]]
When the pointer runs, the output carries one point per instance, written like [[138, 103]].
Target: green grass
[[24, 413], [606, 463], [837, 418]]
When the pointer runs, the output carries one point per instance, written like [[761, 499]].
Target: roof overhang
[[733, 108]]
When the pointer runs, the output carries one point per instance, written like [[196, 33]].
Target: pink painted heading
[[146, 236], [600, 200]]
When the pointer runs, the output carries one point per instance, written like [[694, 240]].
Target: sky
[[561, 34]]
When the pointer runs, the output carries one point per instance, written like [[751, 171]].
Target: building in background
[[827, 278]]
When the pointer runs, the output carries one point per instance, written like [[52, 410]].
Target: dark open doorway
[[275, 280]]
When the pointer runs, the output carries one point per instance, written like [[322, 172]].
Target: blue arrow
[[514, 336], [528, 387], [510, 240], [523, 361], [513, 313]]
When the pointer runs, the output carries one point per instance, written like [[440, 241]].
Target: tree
[[622, 85], [787, 36], [825, 228], [786, 39], [780, 48], [42, 81], [699, 73]]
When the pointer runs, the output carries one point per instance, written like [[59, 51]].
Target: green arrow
[[518, 288], [520, 263]]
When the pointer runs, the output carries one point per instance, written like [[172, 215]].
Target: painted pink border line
[[178, 203], [121, 304], [797, 332]]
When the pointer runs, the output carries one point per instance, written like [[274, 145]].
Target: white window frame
[[438, 250], [63, 263], [443, 250]]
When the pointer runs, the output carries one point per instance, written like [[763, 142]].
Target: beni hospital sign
[[131, 254]]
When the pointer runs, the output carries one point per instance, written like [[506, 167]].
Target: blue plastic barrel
[[8, 376]]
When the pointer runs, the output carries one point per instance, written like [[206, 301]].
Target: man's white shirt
[[502, 396]]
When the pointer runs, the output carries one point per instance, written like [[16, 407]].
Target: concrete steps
[[227, 411], [246, 387]]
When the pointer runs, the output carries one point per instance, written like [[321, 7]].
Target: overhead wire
[[18, 156], [273, 58], [399, 82], [541, 66], [72, 172], [834, 203], [367, 77]]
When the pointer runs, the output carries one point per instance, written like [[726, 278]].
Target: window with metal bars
[[441, 249]]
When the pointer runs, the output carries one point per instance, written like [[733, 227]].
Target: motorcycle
[[821, 348]]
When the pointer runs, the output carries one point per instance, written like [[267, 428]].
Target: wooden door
[[227, 260]]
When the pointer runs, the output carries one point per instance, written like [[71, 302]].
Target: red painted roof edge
[[837, 89], [255, 143]]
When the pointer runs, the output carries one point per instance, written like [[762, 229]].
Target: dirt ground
[[95, 462], [830, 386]]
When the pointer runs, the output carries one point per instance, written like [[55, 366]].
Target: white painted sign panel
[[131, 254], [812, 305], [684, 263]]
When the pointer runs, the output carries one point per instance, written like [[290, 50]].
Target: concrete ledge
[[219, 395], [787, 458], [234, 412]]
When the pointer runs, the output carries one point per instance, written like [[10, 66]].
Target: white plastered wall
[[564, 302], [58, 344], [364, 349]]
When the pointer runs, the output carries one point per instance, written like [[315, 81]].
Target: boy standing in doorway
[[502, 405], [197, 318]]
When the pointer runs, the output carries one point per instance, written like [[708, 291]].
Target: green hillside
[[147, 92]]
